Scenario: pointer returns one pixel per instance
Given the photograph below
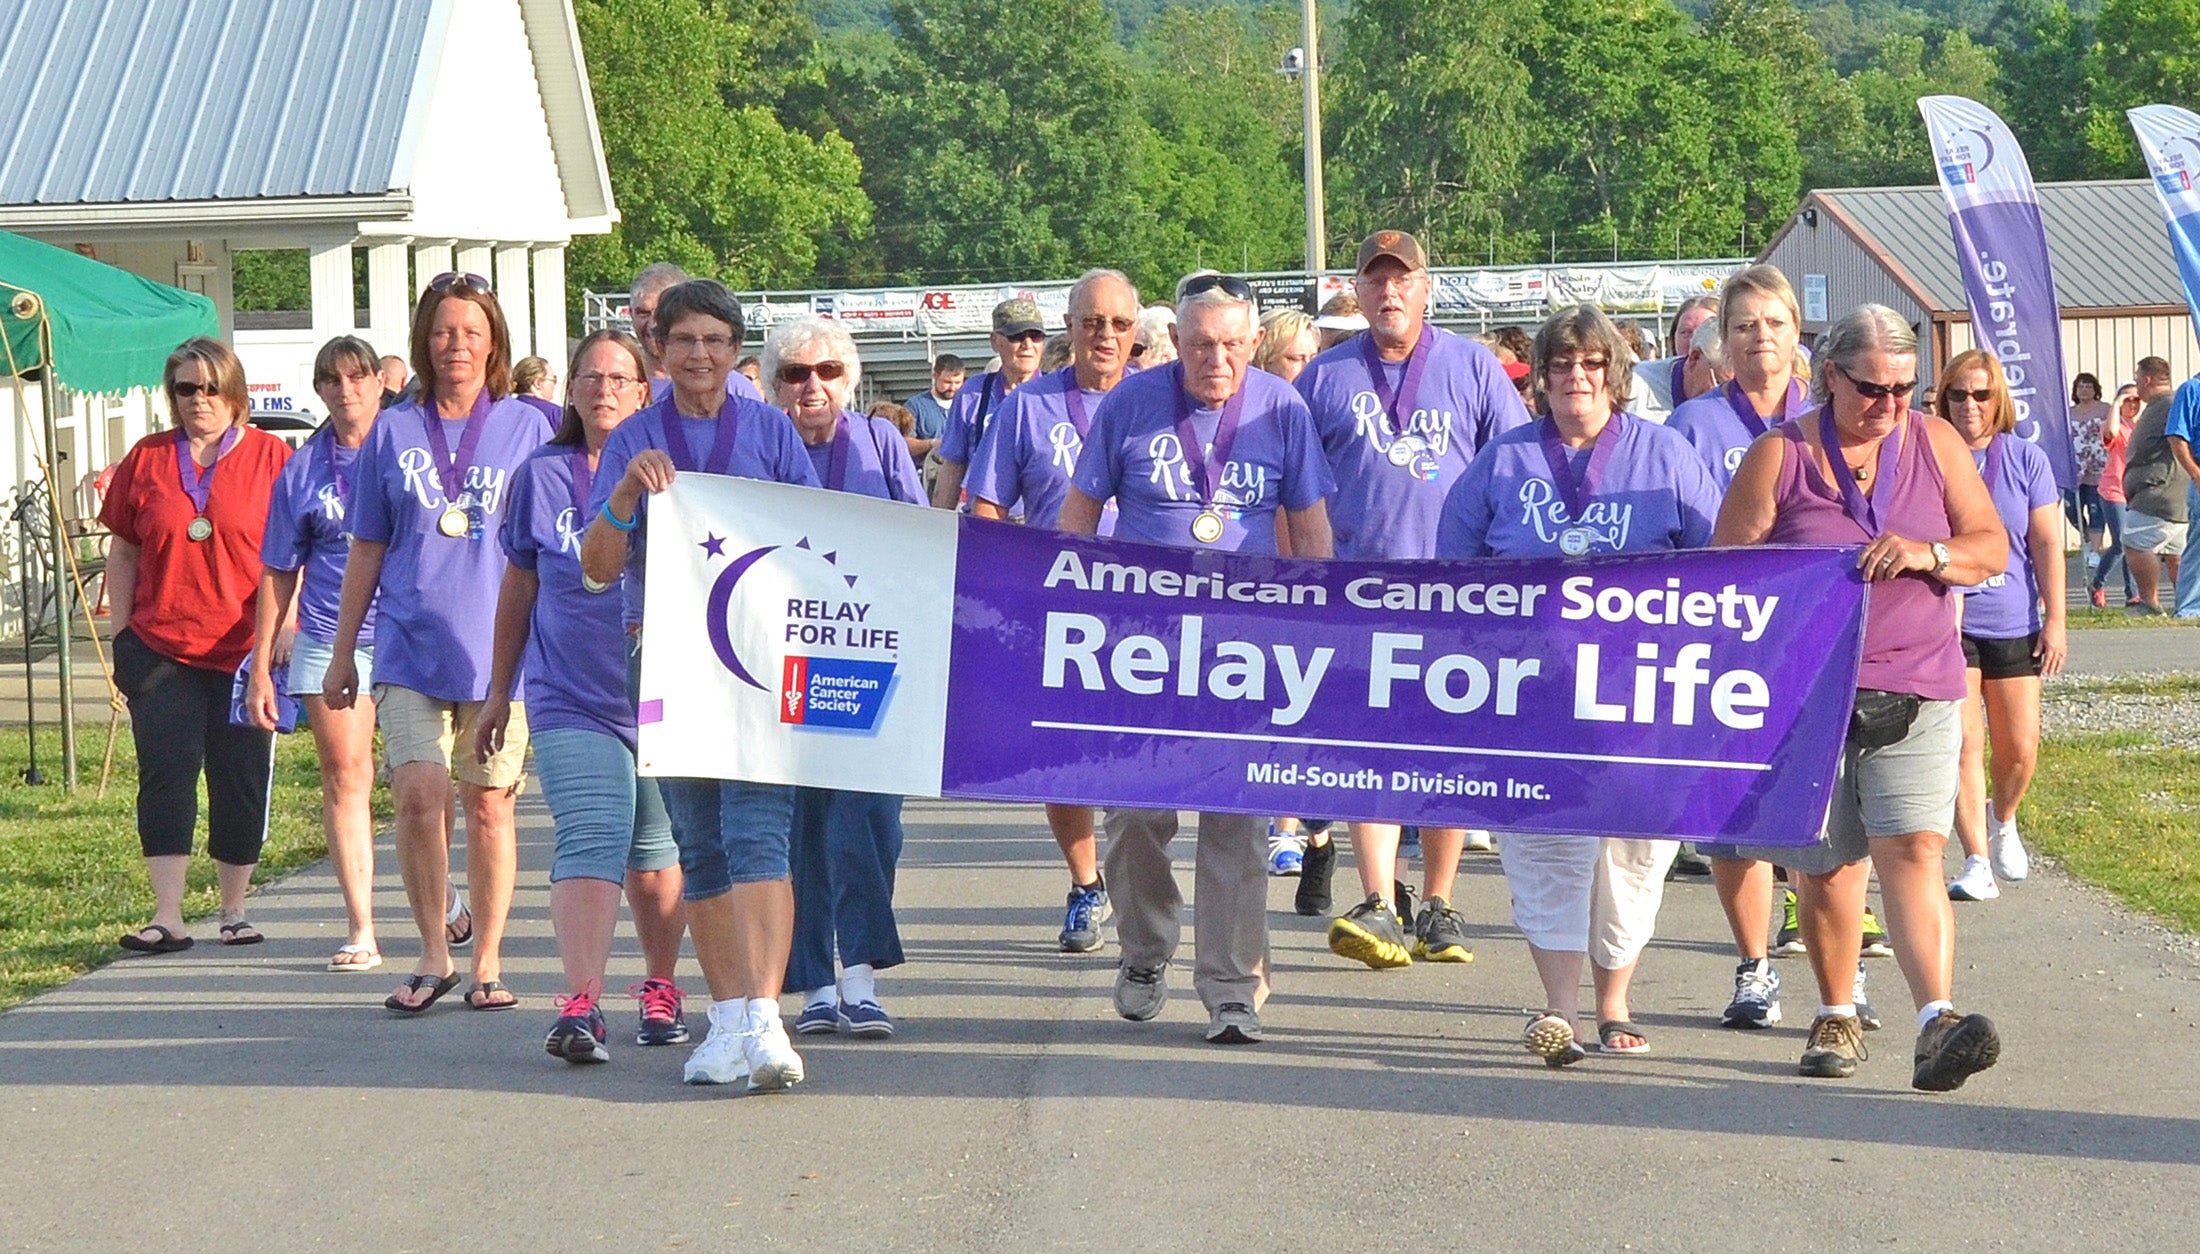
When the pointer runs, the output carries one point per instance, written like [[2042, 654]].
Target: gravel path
[[2082, 704]]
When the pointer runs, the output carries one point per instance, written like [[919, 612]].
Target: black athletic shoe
[[662, 1021], [1440, 933], [1952, 1049], [1369, 933], [1313, 899], [578, 1034]]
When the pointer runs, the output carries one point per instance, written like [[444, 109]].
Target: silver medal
[[201, 527], [1575, 541]]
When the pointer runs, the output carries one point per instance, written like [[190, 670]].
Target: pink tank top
[[1910, 636]]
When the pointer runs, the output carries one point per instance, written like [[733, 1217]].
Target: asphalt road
[[245, 1099]]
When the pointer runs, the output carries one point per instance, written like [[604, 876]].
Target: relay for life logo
[[795, 615]]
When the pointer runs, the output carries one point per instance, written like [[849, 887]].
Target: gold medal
[[201, 527], [454, 523], [1207, 527]]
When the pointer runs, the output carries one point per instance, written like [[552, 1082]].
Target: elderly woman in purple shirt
[[1863, 469], [1585, 478], [845, 844]]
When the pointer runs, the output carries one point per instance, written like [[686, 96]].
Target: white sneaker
[[1480, 841], [2011, 862], [1976, 883], [772, 1063], [720, 1058]]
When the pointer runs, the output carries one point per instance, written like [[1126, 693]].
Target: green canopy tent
[[76, 323]]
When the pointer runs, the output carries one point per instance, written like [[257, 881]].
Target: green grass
[[71, 877], [2086, 616]]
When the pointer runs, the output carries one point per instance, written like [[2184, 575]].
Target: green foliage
[[2149, 53], [272, 279]]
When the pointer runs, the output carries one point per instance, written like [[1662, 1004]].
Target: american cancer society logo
[[836, 659]]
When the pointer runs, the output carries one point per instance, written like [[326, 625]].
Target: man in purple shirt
[[1402, 408], [1026, 456], [1201, 454], [641, 308], [1020, 337]]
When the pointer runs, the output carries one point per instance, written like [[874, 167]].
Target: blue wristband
[[613, 519]]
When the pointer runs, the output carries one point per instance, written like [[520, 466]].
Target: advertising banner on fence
[[797, 636], [2170, 137], [2001, 247]]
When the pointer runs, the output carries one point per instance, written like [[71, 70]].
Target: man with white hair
[[1402, 409], [1200, 454], [641, 309], [1025, 458], [1662, 383]]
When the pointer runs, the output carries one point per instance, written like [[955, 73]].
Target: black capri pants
[[179, 719]]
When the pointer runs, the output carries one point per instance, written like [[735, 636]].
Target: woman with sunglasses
[[733, 835], [1585, 478], [846, 843], [305, 550], [433, 485], [188, 507], [1863, 469], [2008, 642], [2123, 415]]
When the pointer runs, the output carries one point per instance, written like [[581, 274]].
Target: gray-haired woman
[[1864, 469]]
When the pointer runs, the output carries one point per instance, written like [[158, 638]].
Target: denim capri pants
[[609, 821], [728, 831]]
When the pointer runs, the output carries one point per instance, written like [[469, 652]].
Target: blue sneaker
[[865, 1019], [1284, 860], [1756, 1001], [1087, 910], [819, 1018]]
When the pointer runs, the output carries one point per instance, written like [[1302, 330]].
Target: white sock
[[1932, 1011], [820, 997], [763, 1011], [858, 983], [1975, 859], [1845, 1012], [729, 1012]]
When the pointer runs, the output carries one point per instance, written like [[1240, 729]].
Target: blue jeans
[[729, 831], [2113, 513], [608, 821], [846, 845], [2188, 571], [2082, 506]]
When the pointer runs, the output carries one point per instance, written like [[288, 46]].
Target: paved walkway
[[245, 1099]]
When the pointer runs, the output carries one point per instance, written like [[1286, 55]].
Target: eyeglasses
[[598, 379], [186, 389], [1980, 395], [1096, 324], [713, 344], [1231, 285], [1027, 337], [449, 279], [1566, 365], [1879, 391], [796, 373]]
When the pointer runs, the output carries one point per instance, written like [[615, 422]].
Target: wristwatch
[[1940, 558]]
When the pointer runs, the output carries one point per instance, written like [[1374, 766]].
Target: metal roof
[[138, 101], [2106, 237]]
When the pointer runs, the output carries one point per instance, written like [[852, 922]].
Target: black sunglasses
[[1981, 395], [1878, 391], [449, 279], [1231, 285], [1138, 350], [185, 389], [795, 372]]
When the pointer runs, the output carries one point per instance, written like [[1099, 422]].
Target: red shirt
[[195, 597]]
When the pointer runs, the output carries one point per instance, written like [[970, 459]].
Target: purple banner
[[1689, 695]]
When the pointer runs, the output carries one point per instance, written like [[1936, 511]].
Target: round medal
[[453, 523], [1207, 528], [1402, 450], [201, 527], [1574, 541]]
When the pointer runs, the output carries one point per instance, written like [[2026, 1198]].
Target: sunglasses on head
[[186, 389], [449, 279], [795, 373], [1231, 285], [1981, 395]]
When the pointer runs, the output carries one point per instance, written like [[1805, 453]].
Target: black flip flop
[[491, 988], [169, 942], [1620, 1027], [414, 983], [233, 933], [465, 938]]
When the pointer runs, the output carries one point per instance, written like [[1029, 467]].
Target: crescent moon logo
[[2190, 141], [1986, 141], [721, 601]]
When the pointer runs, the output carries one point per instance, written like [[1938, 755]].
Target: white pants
[[1575, 894]]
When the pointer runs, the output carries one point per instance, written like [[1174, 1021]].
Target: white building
[[165, 136]]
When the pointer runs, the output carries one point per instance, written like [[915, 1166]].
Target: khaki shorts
[[419, 728], [1908, 786]]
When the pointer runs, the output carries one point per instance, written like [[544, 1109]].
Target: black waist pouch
[[1882, 718]]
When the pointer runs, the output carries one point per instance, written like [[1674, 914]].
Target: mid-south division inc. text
[[1368, 779]]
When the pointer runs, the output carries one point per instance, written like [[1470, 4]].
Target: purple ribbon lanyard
[[1864, 510], [1578, 492], [1990, 468], [1206, 468], [583, 479], [721, 441], [198, 483], [1747, 412], [336, 478], [836, 466], [453, 470], [1074, 400], [1399, 407]]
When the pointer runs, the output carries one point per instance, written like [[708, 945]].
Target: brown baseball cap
[[1014, 317], [1394, 244]]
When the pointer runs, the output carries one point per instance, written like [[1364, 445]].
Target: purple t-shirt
[[2007, 607], [438, 592], [765, 446], [1655, 494], [959, 441], [1391, 484], [575, 670], [737, 386], [1134, 456], [1714, 425], [305, 533], [548, 409], [876, 462], [1027, 455]]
